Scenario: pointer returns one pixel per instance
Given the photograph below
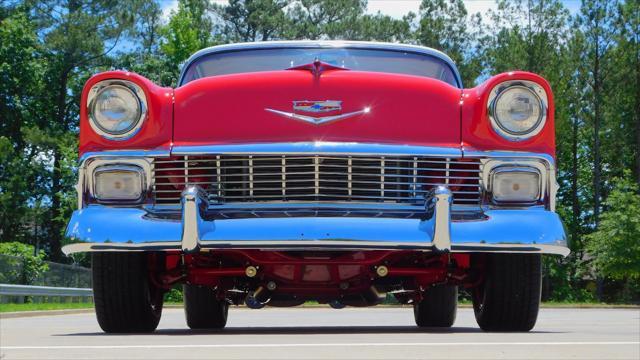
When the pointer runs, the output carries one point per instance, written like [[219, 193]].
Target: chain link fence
[[14, 270]]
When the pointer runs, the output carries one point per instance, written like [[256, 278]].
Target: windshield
[[255, 60]]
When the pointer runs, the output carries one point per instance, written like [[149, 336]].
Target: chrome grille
[[316, 178]]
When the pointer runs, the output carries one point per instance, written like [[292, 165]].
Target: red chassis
[[282, 172], [291, 278]]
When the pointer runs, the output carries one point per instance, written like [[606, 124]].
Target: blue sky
[[398, 8]]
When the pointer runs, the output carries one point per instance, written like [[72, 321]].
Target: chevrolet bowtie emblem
[[311, 106]]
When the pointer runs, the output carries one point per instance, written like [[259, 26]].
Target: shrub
[[21, 266]]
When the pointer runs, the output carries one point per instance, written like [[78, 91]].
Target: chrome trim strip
[[125, 154], [325, 246], [321, 44], [317, 148], [318, 120]]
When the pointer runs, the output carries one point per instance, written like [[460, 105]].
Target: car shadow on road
[[306, 330]]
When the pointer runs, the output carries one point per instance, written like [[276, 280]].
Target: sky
[[399, 8]]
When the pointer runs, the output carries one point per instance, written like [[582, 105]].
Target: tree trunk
[[596, 133], [56, 225], [575, 200], [637, 112]]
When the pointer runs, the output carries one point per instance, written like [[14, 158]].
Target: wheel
[[438, 307], [125, 299], [509, 298], [202, 308]]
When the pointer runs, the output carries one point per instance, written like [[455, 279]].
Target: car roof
[[322, 44]]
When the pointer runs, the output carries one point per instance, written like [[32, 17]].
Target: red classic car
[[340, 172]]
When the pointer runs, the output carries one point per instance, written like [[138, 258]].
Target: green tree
[[251, 20], [625, 95], [444, 25], [76, 39], [380, 27], [317, 19], [614, 246], [22, 162], [596, 22], [525, 35], [188, 31]]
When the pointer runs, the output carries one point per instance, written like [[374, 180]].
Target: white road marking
[[218, 346]]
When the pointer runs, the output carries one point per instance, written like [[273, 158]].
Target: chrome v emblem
[[318, 120]]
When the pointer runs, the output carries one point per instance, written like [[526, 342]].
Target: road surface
[[323, 333]]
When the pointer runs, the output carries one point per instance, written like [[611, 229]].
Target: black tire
[[202, 309], [509, 298], [438, 307], [125, 300]]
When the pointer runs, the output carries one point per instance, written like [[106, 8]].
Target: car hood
[[374, 108]]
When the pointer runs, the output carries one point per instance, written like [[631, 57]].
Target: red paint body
[[405, 110], [231, 109], [477, 133], [156, 132]]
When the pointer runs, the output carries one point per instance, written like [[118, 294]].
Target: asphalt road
[[315, 333]]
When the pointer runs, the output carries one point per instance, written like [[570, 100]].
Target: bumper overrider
[[192, 228]]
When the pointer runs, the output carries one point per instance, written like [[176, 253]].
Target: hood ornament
[[317, 67], [317, 106]]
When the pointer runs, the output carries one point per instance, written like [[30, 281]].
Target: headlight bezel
[[142, 110], [86, 182], [498, 126], [545, 167]]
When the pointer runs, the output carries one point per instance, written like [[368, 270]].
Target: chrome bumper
[[104, 228]]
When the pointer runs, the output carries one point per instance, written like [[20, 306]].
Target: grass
[[43, 306]]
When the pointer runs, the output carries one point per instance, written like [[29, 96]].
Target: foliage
[[49, 48], [22, 266], [174, 295], [188, 31], [445, 25], [614, 247]]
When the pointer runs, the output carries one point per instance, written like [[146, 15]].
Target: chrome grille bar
[[323, 178], [284, 177]]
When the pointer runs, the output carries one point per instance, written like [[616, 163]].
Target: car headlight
[[116, 108], [112, 183], [515, 185], [518, 109]]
